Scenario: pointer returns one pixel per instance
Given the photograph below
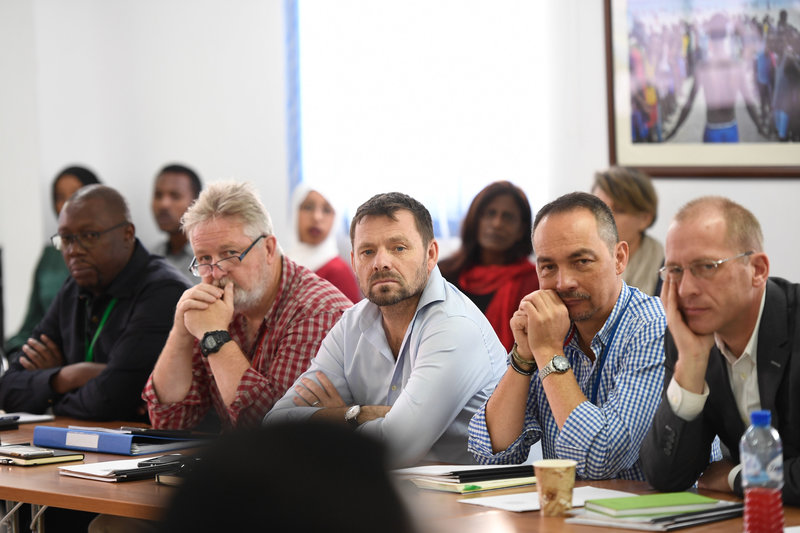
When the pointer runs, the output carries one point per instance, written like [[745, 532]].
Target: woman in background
[[492, 267], [313, 243], [630, 195], [51, 271]]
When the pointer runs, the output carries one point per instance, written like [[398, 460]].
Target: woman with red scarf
[[492, 266]]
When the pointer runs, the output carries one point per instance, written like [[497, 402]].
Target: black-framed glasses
[[87, 239], [699, 269], [205, 269]]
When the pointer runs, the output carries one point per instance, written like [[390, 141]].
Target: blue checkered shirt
[[605, 438]]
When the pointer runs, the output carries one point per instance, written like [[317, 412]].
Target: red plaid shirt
[[305, 308]]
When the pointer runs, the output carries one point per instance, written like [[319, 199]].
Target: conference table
[[42, 485], [442, 512], [436, 512]]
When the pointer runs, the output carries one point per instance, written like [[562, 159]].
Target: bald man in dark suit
[[732, 347]]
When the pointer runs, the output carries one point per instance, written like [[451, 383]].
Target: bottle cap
[[760, 418]]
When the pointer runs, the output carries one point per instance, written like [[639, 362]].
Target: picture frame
[[679, 72]]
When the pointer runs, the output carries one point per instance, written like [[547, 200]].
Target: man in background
[[411, 362], [732, 347], [176, 187], [91, 354]]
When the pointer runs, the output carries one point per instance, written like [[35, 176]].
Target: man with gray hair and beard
[[244, 334]]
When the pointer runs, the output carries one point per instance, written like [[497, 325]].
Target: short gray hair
[[229, 199], [604, 218], [742, 230]]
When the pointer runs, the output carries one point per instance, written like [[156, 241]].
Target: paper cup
[[554, 481]]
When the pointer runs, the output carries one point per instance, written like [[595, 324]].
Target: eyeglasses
[[87, 239], [699, 269], [205, 269]]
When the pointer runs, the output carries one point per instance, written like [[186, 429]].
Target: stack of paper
[[467, 479], [529, 501], [656, 512], [113, 471], [27, 418]]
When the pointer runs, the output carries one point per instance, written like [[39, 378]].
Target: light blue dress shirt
[[604, 438], [449, 363]]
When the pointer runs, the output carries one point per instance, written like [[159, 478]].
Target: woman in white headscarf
[[313, 240]]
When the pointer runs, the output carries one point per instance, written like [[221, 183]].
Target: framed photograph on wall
[[704, 87]]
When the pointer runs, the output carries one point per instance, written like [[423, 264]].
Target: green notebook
[[651, 504]]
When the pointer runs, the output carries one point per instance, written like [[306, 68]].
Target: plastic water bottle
[[761, 454]]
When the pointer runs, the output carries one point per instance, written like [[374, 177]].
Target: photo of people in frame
[[714, 71]]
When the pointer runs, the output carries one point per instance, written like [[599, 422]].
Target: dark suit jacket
[[675, 452]]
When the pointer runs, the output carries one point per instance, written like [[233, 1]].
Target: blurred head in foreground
[[300, 477]]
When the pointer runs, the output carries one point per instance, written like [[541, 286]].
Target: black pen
[[141, 472]]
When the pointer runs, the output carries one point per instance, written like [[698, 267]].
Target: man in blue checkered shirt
[[586, 372]]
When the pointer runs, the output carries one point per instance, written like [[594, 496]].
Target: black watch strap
[[213, 341]]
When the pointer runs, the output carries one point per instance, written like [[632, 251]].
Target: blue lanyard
[[602, 360]]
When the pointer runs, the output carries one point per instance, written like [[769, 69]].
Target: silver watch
[[351, 415], [558, 364]]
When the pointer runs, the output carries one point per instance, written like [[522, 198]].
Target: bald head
[[742, 230], [101, 197]]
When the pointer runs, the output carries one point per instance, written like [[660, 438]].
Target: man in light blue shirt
[[412, 362], [585, 375]]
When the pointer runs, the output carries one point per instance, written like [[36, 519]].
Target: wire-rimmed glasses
[[205, 269], [703, 269]]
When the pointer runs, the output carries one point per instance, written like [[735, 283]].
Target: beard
[[386, 295], [579, 316], [244, 299]]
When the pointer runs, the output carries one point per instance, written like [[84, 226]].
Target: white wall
[[129, 85], [446, 97], [581, 144], [125, 87], [21, 221]]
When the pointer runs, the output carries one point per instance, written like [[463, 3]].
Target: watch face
[[212, 341], [351, 415], [560, 363]]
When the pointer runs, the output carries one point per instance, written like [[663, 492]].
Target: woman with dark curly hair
[[492, 266]]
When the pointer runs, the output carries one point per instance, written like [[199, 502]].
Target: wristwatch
[[212, 342], [351, 415], [558, 364]]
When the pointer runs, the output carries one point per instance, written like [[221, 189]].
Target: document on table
[[27, 418], [103, 471], [440, 470], [529, 501]]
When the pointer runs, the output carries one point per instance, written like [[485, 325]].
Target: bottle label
[[752, 471], [775, 468], [754, 474]]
